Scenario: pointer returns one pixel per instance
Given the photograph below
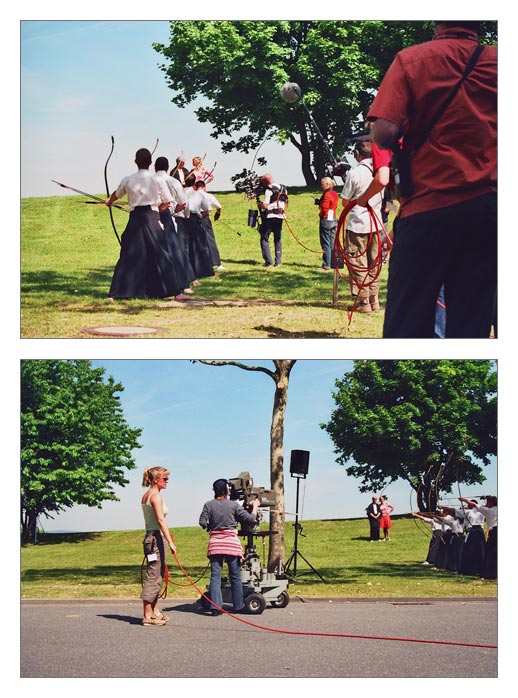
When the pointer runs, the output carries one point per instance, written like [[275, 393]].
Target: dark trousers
[[271, 225], [491, 555], [455, 246], [474, 552], [434, 547], [211, 241], [375, 529]]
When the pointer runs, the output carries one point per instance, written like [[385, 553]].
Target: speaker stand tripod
[[295, 553]]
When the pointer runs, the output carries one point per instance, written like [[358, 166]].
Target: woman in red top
[[327, 227], [385, 521]]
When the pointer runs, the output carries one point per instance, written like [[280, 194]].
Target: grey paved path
[[106, 639]]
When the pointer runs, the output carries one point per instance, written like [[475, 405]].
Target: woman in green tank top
[[154, 510]]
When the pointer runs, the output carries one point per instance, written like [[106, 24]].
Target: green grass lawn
[[69, 251], [108, 565]]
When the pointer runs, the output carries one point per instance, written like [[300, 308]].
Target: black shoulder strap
[[438, 114]]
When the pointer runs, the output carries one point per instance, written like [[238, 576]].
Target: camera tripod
[[295, 553]]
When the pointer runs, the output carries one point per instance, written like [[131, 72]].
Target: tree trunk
[[305, 154], [277, 538], [281, 376], [29, 524]]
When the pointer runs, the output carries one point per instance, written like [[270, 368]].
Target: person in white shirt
[[272, 209], [178, 205], [456, 543], [199, 208], [207, 224], [490, 513], [475, 544], [145, 268], [437, 529], [361, 239]]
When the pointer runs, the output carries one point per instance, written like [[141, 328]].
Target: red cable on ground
[[296, 238], [323, 634]]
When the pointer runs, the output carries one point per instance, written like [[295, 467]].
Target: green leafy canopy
[[431, 423], [237, 67], [75, 442]]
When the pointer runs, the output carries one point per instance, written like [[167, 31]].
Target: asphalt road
[[106, 639]]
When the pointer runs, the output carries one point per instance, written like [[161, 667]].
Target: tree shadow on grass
[[351, 575], [55, 538], [39, 284], [99, 574]]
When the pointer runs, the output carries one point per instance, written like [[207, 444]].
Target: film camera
[[248, 183], [242, 489]]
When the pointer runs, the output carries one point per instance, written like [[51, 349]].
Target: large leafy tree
[[75, 442], [239, 66], [431, 423]]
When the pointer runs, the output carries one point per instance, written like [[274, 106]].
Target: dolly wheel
[[255, 604], [281, 601]]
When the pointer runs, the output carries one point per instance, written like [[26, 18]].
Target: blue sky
[[203, 422], [85, 81]]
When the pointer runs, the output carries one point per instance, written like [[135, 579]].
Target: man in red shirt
[[445, 231]]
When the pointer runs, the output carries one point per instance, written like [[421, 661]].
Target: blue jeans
[[327, 232], [440, 316], [234, 570]]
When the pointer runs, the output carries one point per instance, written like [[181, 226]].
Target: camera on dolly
[[259, 585]]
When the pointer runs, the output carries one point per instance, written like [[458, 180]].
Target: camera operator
[[274, 203], [220, 517]]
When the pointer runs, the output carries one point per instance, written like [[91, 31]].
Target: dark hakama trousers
[[473, 554], [433, 548], [443, 550], [454, 555], [181, 264], [211, 242], [199, 252], [145, 268], [491, 555], [184, 235]]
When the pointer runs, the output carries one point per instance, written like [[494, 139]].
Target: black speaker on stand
[[299, 465]]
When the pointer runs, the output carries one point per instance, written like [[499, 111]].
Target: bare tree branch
[[245, 367]]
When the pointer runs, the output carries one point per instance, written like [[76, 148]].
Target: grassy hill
[[69, 251], [108, 564]]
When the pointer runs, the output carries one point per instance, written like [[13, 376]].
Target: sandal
[[161, 616], [153, 620]]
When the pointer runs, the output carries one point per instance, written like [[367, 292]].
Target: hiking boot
[[374, 302], [363, 306]]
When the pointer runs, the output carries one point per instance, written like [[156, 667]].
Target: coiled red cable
[[325, 634], [368, 274]]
